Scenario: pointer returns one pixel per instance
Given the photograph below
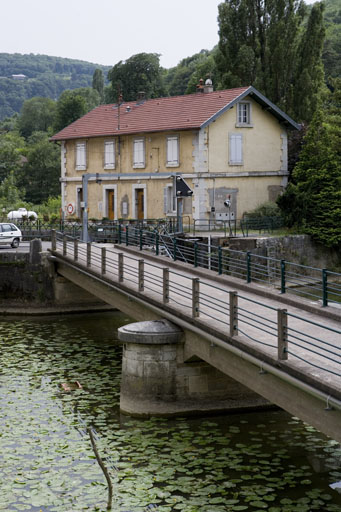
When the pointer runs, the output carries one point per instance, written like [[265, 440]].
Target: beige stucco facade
[[205, 161]]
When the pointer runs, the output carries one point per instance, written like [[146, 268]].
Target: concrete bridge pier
[[156, 381]]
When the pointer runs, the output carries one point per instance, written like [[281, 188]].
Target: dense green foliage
[[312, 201], [45, 77], [265, 44], [37, 114], [139, 73], [332, 45]]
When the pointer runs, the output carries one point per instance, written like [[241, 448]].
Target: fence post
[[195, 254], [324, 287], [75, 249], [248, 267], [141, 240], [174, 249], [141, 275], [88, 254], [53, 240], [282, 276], [120, 267], [157, 244], [282, 329], [220, 260], [127, 235], [103, 260], [233, 314], [64, 245], [165, 279], [119, 233], [195, 297]]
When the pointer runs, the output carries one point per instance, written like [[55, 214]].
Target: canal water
[[60, 379]]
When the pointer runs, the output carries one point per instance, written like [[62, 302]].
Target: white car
[[10, 234]]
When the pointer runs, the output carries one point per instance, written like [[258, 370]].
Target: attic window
[[244, 114]]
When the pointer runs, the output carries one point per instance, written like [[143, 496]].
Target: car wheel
[[15, 243]]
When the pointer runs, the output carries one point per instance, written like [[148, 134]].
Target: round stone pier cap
[[151, 332]]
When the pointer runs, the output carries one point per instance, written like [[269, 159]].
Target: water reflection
[[61, 375]]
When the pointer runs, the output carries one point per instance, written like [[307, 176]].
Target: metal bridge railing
[[282, 334], [288, 277]]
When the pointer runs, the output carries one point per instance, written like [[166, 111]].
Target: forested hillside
[[44, 76], [50, 76]]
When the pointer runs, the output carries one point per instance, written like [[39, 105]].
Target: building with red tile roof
[[121, 160]]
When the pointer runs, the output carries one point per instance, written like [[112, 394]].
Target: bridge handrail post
[[233, 313], [120, 267], [195, 254], [174, 249], [120, 233], [195, 297], [165, 285], [64, 245], [283, 288], [282, 329], [157, 244], [220, 262], [88, 254], [53, 239], [141, 276], [248, 267], [103, 260], [141, 239], [324, 287], [127, 235], [75, 249]]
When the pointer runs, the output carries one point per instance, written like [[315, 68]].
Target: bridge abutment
[[156, 381]]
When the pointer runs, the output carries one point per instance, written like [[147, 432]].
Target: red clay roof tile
[[161, 114]]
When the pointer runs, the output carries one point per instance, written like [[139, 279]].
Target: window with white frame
[[244, 114], [235, 149], [81, 156], [169, 200], [173, 151], [109, 154], [139, 154]]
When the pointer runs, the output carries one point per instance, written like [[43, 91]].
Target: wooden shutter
[[109, 155], [172, 151], [139, 153], [236, 148], [81, 156]]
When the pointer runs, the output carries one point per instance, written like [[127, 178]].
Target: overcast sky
[[107, 31]]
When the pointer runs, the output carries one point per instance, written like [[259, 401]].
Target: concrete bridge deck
[[292, 357]]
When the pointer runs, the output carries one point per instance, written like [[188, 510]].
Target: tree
[[309, 70], [70, 107], [98, 82], [12, 148], [312, 200], [139, 73], [37, 114], [265, 43], [39, 175], [10, 194]]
